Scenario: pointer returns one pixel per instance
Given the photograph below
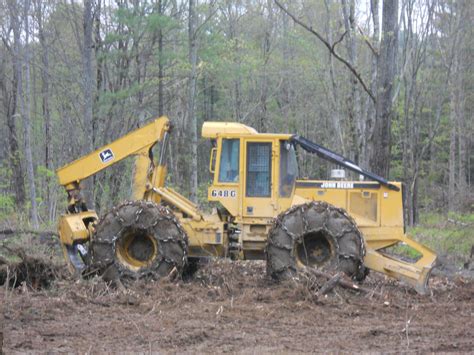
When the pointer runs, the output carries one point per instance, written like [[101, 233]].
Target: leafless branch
[[341, 280], [329, 285], [330, 48], [338, 41], [364, 37], [208, 17]]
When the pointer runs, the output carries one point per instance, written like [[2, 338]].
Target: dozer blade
[[415, 274]]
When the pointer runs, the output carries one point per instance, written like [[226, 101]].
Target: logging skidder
[[265, 211]]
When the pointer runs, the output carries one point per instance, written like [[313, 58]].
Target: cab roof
[[213, 129], [235, 130]]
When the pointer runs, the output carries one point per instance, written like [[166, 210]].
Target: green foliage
[[461, 218], [450, 234], [5, 177], [42, 171], [7, 200], [7, 205], [203, 203]]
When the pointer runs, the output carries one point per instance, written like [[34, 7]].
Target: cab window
[[259, 167], [229, 165], [288, 168]]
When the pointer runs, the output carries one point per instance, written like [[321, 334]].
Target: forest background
[[387, 83]]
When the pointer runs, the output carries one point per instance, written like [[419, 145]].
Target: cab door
[[259, 195], [227, 181]]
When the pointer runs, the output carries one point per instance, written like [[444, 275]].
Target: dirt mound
[[233, 307], [32, 272]]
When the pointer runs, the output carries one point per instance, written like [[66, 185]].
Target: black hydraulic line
[[339, 160]]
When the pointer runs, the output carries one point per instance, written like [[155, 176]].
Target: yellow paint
[[215, 129], [137, 142], [72, 227]]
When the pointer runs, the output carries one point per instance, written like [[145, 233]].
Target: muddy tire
[[315, 234], [138, 239]]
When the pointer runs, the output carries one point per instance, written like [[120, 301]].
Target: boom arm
[[339, 159], [138, 142]]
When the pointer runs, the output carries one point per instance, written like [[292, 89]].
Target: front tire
[[138, 239]]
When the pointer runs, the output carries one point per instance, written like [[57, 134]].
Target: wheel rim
[[136, 249], [316, 249]]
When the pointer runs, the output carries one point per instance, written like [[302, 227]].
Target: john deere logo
[[106, 155]]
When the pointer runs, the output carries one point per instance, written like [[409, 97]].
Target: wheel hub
[[136, 249], [315, 249]]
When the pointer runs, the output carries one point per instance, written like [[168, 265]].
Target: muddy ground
[[232, 307]]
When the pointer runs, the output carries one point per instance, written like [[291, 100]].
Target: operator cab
[[253, 174]]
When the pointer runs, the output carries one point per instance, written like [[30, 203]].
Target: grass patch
[[405, 252], [452, 234]]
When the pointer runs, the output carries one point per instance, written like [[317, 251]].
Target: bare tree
[[25, 106], [9, 90], [356, 132], [462, 59], [161, 75], [453, 61], [331, 47], [232, 14], [264, 81], [335, 106], [87, 52], [40, 10], [192, 119], [379, 143]]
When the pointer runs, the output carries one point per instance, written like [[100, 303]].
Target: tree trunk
[[457, 182], [453, 137], [355, 126], [367, 126], [233, 18], [452, 204], [88, 145], [99, 55], [25, 103], [10, 99], [192, 119], [264, 79], [160, 64], [335, 117], [45, 96], [380, 142], [287, 97], [460, 112]]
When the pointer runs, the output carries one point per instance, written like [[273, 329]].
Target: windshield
[[288, 168], [229, 166]]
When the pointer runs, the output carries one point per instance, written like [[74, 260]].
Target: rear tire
[[138, 239], [315, 234]]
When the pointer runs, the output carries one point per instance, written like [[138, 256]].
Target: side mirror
[[212, 161]]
